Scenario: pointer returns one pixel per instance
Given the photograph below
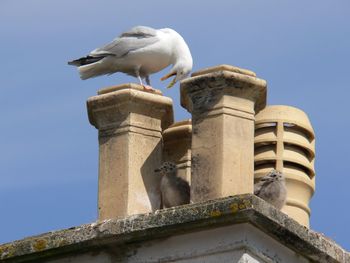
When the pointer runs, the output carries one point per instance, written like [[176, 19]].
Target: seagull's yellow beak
[[172, 83]]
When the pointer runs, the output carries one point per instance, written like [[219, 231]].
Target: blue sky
[[48, 150]]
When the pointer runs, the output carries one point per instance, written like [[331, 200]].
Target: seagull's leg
[[148, 81], [140, 80], [146, 87]]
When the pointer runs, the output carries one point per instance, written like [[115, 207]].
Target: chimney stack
[[214, 152], [130, 122], [223, 101]]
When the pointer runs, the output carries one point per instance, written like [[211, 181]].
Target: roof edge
[[245, 208]]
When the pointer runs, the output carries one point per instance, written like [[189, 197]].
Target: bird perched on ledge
[[175, 191], [139, 52], [272, 188]]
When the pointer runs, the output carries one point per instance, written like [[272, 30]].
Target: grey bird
[[139, 52], [175, 191], [272, 189]]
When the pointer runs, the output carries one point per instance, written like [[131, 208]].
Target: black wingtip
[[85, 60], [76, 62], [71, 63]]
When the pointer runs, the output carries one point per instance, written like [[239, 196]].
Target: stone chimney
[[130, 122], [223, 101], [215, 152]]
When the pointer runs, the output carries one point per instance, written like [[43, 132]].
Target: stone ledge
[[116, 102], [209, 81], [222, 68], [190, 218], [126, 86]]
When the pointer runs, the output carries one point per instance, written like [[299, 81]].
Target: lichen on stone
[[39, 245], [215, 213]]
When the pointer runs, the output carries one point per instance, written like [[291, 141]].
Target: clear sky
[[48, 150]]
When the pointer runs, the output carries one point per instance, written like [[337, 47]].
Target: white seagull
[[139, 52]]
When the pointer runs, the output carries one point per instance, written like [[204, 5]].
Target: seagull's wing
[[260, 185], [257, 188], [140, 31], [136, 38]]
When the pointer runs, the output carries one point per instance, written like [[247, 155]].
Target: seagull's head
[[273, 176], [180, 70], [167, 168]]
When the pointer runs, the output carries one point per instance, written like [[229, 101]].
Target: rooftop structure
[[232, 140]]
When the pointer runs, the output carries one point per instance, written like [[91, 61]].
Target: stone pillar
[[177, 147], [285, 141], [130, 123], [223, 101]]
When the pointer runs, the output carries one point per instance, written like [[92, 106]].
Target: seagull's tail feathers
[[91, 66]]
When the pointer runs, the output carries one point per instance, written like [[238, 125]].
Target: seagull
[[272, 188], [175, 191], [139, 52]]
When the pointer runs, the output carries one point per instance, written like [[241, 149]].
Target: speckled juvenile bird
[[175, 191], [272, 189]]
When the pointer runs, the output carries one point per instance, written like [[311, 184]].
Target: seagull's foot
[[148, 88]]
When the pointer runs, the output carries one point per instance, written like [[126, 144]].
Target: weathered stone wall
[[236, 244], [242, 227]]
